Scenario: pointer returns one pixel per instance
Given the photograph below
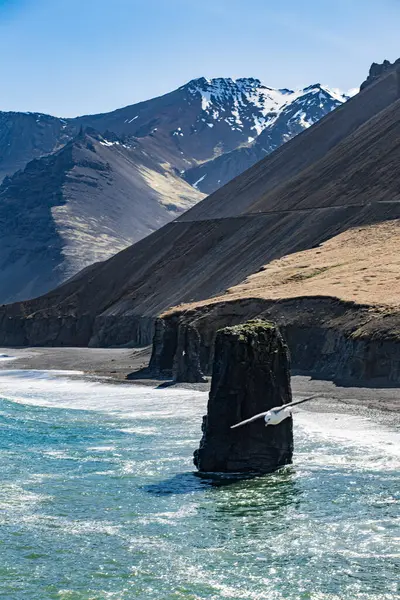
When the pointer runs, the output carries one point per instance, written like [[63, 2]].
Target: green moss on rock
[[249, 328]]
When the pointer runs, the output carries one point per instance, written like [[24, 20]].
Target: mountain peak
[[377, 70], [224, 86], [248, 106], [222, 81], [313, 86]]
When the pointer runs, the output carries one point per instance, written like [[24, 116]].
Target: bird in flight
[[275, 415]]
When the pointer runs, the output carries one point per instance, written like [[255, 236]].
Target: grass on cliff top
[[252, 326]]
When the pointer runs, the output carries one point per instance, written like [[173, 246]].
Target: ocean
[[99, 500]]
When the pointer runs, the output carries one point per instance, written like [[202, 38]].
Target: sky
[[72, 57]]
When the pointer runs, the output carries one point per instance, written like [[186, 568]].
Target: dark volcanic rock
[[327, 337], [187, 356], [176, 351], [164, 348], [251, 374]]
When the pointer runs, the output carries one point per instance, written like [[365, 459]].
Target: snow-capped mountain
[[87, 199], [191, 125], [199, 122], [245, 105], [248, 106], [207, 118], [268, 118]]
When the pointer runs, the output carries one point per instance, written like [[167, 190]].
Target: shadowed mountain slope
[[78, 204], [81, 205], [25, 136], [234, 232]]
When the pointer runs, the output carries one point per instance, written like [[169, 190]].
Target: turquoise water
[[99, 500]]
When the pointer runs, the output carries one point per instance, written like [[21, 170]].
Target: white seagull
[[274, 415]]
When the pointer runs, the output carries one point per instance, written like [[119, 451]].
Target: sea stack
[[251, 374]]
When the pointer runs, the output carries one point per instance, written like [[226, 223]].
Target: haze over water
[[99, 500]]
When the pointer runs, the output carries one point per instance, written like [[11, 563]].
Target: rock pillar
[[251, 374], [164, 347], [187, 356]]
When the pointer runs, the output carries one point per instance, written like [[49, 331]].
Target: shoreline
[[114, 365]]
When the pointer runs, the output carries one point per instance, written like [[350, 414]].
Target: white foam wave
[[52, 389], [18, 502], [350, 430], [141, 430], [170, 517], [6, 357], [146, 410]]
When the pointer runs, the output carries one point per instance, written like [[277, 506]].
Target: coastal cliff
[[327, 337]]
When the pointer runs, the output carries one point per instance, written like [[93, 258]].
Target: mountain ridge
[[298, 111], [195, 123], [153, 151]]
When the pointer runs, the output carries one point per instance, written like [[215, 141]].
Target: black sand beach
[[116, 365]]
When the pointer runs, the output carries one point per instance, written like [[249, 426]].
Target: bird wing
[[294, 403], [255, 418], [275, 409]]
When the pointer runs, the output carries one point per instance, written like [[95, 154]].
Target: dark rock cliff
[[327, 337], [251, 374], [176, 351], [186, 365]]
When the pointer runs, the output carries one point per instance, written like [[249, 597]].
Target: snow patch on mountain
[[196, 183], [260, 119], [248, 106]]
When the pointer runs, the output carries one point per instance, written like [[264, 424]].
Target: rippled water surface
[[99, 500]]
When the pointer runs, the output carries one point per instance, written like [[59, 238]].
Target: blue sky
[[69, 57]]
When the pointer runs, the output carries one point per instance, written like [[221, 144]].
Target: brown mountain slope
[[116, 302], [361, 265], [338, 306]]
